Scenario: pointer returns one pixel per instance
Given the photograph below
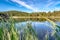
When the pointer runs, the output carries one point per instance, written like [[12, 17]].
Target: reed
[[9, 32], [29, 33], [56, 29]]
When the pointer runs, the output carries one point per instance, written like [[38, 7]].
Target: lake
[[41, 28]]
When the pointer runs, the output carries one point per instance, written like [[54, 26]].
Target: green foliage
[[29, 33], [9, 33], [56, 29], [57, 35]]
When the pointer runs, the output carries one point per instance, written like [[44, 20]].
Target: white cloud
[[25, 5], [52, 3]]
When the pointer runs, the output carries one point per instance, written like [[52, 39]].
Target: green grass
[[29, 33], [9, 32]]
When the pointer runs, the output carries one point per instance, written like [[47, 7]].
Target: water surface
[[41, 28]]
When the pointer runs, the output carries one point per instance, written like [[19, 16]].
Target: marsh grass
[[56, 29], [9, 32], [29, 33]]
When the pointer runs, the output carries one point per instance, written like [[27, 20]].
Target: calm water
[[41, 28]]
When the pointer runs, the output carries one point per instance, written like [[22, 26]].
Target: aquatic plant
[[8, 33], [11, 33], [29, 33], [56, 29]]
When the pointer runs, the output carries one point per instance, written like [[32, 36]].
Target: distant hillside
[[19, 13], [15, 13]]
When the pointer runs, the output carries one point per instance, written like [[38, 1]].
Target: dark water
[[41, 28]]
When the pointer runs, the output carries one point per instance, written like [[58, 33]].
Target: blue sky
[[30, 5]]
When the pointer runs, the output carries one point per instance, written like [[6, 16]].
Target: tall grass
[[29, 33], [56, 29], [9, 32]]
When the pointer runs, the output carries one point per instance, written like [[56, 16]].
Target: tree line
[[20, 13]]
